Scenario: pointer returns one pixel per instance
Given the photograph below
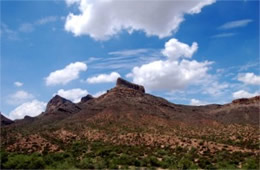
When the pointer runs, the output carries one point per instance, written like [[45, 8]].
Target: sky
[[188, 52]]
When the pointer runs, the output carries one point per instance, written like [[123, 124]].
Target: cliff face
[[123, 83]]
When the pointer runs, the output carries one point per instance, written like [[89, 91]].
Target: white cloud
[[132, 52], [74, 95], [19, 97], [172, 74], [7, 32], [99, 93], [71, 2], [103, 19], [104, 78], [214, 88], [18, 84], [249, 78], [196, 102], [64, 76], [223, 35], [46, 20], [26, 27], [175, 49], [33, 108], [235, 24], [244, 94]]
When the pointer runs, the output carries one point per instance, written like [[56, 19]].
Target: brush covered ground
[[127, 128]]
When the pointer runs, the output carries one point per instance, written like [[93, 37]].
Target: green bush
[[251, 163], [20, 161]]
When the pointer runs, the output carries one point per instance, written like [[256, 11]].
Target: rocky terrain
[[155, 132]]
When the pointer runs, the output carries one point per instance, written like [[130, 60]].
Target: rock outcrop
[[60, 104], [5, 120], [124, 83], [252, 100], [86, 98]]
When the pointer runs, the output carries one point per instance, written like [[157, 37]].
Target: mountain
[[5, 120], [127, 117]]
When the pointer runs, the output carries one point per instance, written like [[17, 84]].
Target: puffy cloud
[[249, 78], [103, 19], [19, 97], [175, 49], [99, 93], [235, 24], [104, 78], [18, 84], [244, 94], [196, 102], [171, 74], [33, 108], [73, 94], [64, 76]]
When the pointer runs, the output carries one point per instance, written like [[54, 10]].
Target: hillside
[[154, 132]]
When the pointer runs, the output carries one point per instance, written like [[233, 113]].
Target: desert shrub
[[3, 158], [185, 163], [86, 163], [125, 159], [205, 164], [251, 163], [19, 161], [225, 165], [78, 147]]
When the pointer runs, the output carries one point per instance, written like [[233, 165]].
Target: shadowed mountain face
[[126, 115], [5, 120], [59, 104]]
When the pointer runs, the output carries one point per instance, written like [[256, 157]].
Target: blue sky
[[189, 53]]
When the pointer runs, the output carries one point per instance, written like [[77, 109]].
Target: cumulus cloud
[[249, 78], [103, 19], [244, 94], [172, 74], [235, 24], [175, 49], [196, 102], [19, 97], [74, 95], [66, 75], [33, 108], [18, 84], [104, 78]]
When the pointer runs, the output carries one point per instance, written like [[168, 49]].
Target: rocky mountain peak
[[124, 83], [58, 103], [86, 98]]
